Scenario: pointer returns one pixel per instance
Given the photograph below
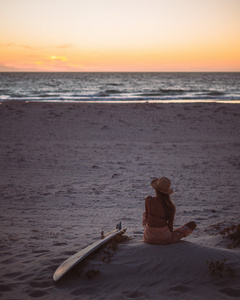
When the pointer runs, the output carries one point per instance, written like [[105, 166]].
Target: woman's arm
[[171, 221], [145, 215]]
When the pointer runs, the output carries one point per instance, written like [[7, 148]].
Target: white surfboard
[[73, 260]]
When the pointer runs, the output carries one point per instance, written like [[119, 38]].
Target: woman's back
[[156, 212]]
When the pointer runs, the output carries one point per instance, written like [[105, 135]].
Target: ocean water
[[123, 87]]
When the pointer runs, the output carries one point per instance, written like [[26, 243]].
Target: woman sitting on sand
[[159, 216]]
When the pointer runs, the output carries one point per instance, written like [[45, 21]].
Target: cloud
[[16, 45], [19, 69], [4, 68], [27, 47], [44, 64], [64, 46], [57, 58]]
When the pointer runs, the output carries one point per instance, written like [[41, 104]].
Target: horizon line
[[120, 71]]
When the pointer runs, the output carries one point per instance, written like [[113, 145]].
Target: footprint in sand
[[231, 292], [181, 289]]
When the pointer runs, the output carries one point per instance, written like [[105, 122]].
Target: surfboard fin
[[102, 235], [119, 226]]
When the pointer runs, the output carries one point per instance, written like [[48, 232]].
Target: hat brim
[[155, 186]]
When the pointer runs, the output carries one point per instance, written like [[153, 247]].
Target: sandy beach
[[69, 171]]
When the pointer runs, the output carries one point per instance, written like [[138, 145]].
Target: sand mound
[[142, 271]]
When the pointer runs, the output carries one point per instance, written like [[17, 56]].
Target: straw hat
[[162, 185]]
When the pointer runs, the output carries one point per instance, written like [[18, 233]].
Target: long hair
[[167, 204]]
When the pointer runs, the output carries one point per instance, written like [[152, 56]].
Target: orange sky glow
[[109, 35]]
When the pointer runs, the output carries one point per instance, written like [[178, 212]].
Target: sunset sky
[[120, 35]]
